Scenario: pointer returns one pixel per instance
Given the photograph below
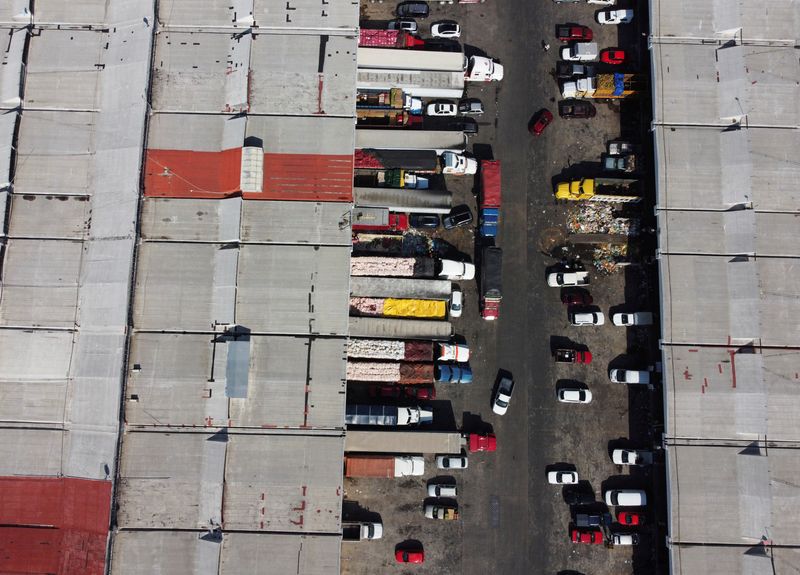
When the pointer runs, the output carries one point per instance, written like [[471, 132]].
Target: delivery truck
[[418, 267], [491, 282], [489, 198], [387, 415], [387, 466]]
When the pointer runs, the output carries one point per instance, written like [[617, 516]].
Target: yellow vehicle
[[598, 190]]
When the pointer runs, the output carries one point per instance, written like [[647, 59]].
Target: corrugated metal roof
[[399, 139], [405, 200]]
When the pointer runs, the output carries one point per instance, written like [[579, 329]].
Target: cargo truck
[[402, 372], [490, 198], [383, 466], [388, 39], [388, 415], [397, 441], [395, 307], [602, 86], [422, 351], [361, 531], [393, 98], [419, 267], [378, 220], [491, 282], [391, 328], [598, 190], [400, 179]]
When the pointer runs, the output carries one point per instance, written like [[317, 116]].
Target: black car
[[470, 106], [458, 216], [568, 70], [577, 497], [592, 519], [430, 221], [574, 108], [467, 125], [412, 10]]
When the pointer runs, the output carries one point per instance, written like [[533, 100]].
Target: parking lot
[[512, 521]]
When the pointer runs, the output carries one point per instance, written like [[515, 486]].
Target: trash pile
[[608, 257], [599, 218]]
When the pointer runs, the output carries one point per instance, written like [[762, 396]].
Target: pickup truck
[[361, 531], [569, 32], [593, 519], [564, 279], [580, 52]]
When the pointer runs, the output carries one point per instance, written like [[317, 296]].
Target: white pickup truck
[[361, 531], [580, 52], [453, 270], [566, 279]]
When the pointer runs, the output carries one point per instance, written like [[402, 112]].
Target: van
[[626, 497], [630, 376]]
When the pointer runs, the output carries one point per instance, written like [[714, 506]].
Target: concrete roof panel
[[41, 216], [40, 283], [30, 451], [201, 133], [246, 553], [278, 222], [171, 481], [294, 382], [165, 553], [63, 70], [284, 483], [302, 134], [33, 401], [204, 12], [306, 14], [315, 76], [293, 289], [738, 560], [780, 304], [191, 220], [176, 286], [723, 19], [77, 11], [35, 355]]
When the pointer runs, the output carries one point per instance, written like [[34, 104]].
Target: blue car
[[453, 373]]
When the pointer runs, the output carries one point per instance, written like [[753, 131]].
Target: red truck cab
[[482, 442]]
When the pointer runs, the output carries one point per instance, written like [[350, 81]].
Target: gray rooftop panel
[[191, 220], [306, 14], [303, 74], [40, 283], [302, 134], [201, 133], [244, 553], [31, 452], [45, 216], [293, 289], [63, 69], [757, 559], [77, 11], [284, 483], [165, 553], [205, 12], [323, 223]]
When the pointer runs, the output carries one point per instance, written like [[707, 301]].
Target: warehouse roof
[[284, 483], [292, 382], [142, 552]]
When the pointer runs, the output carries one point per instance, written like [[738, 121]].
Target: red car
[[577, 298], [588, 536], [573, 32], [399, 391], [409, 556], [612, 56], [540, 121], [630, 518]]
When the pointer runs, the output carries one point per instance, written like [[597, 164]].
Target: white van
[[626, 497], [625, 538], [629, 376]]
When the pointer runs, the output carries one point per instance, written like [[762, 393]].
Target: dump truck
[[490, 198], [387, 466], [361, 531], [491, 282], [402, 372], [388, 39], [391, 349], [400, 179], [388, 415], [378, 220], [618, 190], [602, 86]]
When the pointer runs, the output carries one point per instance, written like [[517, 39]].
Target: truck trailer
[[490, 198], [417, 267], [390, 328], [439, 442], [602, 86], [386, 415], [391, 349], [387, 466], [618, 190]]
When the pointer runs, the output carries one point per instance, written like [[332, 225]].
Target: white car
[[626, 497], [446, 29], [442, 490], [602, 2], [502, 396], [453, 352], [574, 395], [456, 302], [587, 318], [631, 457], [614, 16], [625, 538], [568, 279], [442, 109], [451, 462], [562, 477], [629, 376], [453, 270], [634, 318]]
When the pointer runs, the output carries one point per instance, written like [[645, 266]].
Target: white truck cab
[[481, 69]]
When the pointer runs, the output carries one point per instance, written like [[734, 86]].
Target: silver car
[[442, 490]]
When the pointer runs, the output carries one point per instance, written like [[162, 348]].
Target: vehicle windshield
[[502, 403], [455, 307]]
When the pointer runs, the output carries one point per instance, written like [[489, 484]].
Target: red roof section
[[215, 175], [53, 525]]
